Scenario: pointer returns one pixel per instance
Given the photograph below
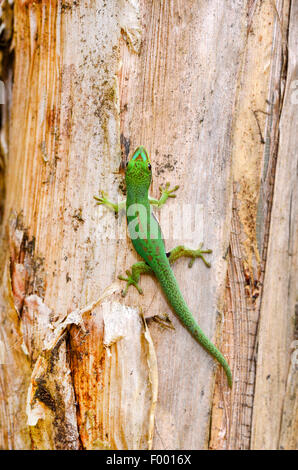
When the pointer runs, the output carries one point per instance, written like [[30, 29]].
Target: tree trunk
[[209, 88]]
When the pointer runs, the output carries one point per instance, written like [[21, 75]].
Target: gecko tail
[[197, 332], [171, 289]]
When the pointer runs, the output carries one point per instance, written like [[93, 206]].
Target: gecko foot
[[181, 251], [104, 201], [166, 193], [193, 254], [130, 281]]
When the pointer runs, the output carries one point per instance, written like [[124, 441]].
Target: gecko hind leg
[[134, 275], [180, 251]]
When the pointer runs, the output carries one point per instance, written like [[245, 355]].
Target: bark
[[209, 89]]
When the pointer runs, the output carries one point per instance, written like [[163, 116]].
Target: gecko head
[[138, 169]]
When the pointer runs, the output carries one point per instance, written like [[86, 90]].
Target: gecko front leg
[[166, 192], [104, 201]]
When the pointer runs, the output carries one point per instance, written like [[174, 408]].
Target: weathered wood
[[255, 138], [184, 118], [64, 146], [275, 404]]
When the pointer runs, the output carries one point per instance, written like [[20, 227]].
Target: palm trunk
[[201, 85]]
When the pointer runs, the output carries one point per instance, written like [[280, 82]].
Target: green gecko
[[147, 239]]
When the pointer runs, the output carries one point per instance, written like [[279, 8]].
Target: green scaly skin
[[147, 240]]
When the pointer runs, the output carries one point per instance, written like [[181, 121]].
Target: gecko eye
[[149, 166]]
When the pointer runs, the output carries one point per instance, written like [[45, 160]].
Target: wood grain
[[255, 138], [275, 405], [183, 97]]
